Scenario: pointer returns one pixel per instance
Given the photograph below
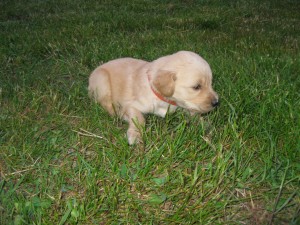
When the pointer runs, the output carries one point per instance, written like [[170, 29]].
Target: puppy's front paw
[[133, 136]]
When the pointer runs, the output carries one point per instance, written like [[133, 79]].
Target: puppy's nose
[[215, 103]]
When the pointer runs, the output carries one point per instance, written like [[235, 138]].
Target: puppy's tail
[[100, 88]]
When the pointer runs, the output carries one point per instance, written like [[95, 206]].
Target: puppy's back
[[111, 84]]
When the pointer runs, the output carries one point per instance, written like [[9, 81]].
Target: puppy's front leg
[[134, 118]]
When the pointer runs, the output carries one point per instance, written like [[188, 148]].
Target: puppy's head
[[185, 78]]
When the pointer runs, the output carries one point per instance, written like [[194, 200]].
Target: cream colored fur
[[123, 87]]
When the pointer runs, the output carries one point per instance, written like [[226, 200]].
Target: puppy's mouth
[[197, 109], [192, 109]]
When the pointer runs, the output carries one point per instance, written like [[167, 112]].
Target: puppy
[[129, 87]]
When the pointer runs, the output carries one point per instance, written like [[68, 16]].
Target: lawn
[[64, 160]]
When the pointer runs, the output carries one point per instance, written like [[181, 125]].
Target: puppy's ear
[[164, 82]]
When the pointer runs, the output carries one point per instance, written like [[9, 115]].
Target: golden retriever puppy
[[129, 87]]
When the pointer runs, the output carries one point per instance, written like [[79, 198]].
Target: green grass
[[63, 160]]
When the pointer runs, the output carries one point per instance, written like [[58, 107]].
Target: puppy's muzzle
[[215, 102]]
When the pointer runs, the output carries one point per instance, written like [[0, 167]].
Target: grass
[[63, 160]]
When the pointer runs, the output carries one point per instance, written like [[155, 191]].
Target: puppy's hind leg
[[136, 120], [100, 89]]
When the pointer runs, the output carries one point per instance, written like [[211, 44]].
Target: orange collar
[[161, 97]]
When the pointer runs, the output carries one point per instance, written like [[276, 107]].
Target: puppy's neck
[[161, 97]]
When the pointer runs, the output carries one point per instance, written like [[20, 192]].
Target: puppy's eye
[[197, 87]]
